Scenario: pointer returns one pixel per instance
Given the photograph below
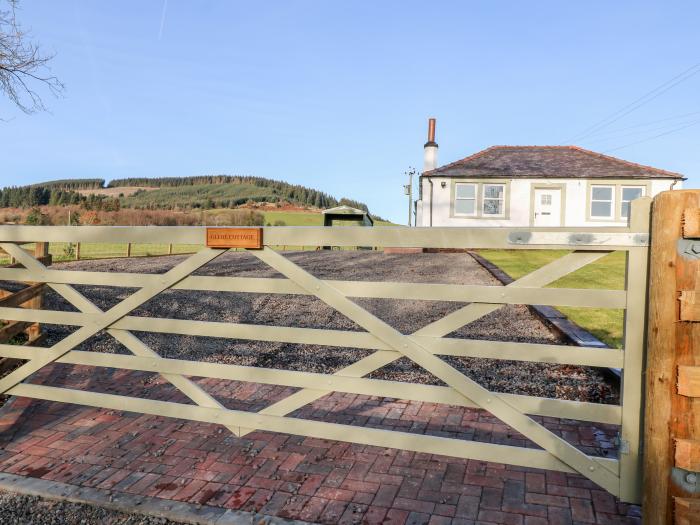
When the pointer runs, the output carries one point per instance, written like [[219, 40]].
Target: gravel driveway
[[512, 323]]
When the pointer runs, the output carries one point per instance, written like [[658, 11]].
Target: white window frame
[[622, 196], [475, 199], [502, 199], [612, 202]]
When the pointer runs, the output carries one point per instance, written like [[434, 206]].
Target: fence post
[[170, 249], [77, 251], [128, 249], [672, 420], [41, 252]]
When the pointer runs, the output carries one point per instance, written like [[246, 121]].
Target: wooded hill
[[217, 191], [30, 196]]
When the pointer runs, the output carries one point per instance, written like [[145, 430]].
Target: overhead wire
[[646, 131], [694, 123], [644, 124], [636, 104]]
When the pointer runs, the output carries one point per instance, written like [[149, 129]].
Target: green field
[[293, 218], [607, 273]]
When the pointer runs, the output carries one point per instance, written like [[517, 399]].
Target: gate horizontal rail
[[542, 353], [305, 427], [350, 236], [578, 410], [463, 293], [423, 346]]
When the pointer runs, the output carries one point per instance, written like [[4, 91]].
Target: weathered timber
[[687, 454], [689, 381], [690, 305], [671, 344], [691, 223]]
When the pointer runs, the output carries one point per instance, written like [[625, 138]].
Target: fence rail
[[423, 347]]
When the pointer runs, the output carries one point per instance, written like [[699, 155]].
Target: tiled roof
[[547, 162]]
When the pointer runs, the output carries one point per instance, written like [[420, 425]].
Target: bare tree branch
[[23, 65]]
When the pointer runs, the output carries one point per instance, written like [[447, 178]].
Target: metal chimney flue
[[431, 130]]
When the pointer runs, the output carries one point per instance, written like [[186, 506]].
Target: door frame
[[545, 186]]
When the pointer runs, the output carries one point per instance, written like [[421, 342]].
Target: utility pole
[[408, 190]]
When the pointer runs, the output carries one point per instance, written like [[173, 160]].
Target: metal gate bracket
[[689, 248], [574, 239], [687, 480], [624, 446]]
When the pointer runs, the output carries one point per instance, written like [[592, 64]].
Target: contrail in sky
[[162, 19]]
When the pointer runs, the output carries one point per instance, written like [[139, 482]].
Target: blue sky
[[335, 95]]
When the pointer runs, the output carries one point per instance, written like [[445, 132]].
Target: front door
[[547, 207]]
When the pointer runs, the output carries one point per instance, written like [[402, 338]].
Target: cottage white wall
[[518, 202]]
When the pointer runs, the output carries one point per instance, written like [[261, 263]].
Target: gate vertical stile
[[631, 395]]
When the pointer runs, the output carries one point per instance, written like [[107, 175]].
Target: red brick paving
[[296, 477]]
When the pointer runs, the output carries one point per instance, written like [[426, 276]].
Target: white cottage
[[526, 186]]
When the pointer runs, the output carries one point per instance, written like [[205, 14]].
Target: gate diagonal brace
[[130, 341], [471, 390], [451, 322]]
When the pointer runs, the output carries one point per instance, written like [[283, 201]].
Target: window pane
[[546, 200], [629, 194], [493, 207], [601, 209], [493, 191], [464, 206], [602, 193], [466, 191], [625, 209]]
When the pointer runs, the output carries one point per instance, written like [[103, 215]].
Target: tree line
[[32, 196], [282, 191], [74, 184], [64, 193]]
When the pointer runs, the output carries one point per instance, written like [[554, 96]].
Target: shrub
[[36, 218]]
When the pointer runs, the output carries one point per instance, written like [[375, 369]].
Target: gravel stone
[[20, 509], [509, 323]]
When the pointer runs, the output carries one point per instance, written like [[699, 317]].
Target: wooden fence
[[30, 296]]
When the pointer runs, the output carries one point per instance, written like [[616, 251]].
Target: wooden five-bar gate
[[621, 476]]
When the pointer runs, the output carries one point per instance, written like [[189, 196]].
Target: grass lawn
[[607, 273], [293, 218]]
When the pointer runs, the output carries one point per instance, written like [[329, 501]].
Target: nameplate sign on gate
[[235, 238]]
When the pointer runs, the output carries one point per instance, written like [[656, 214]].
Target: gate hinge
[[624, 446]]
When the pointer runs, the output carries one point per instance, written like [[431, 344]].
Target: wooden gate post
[[672, 420]]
